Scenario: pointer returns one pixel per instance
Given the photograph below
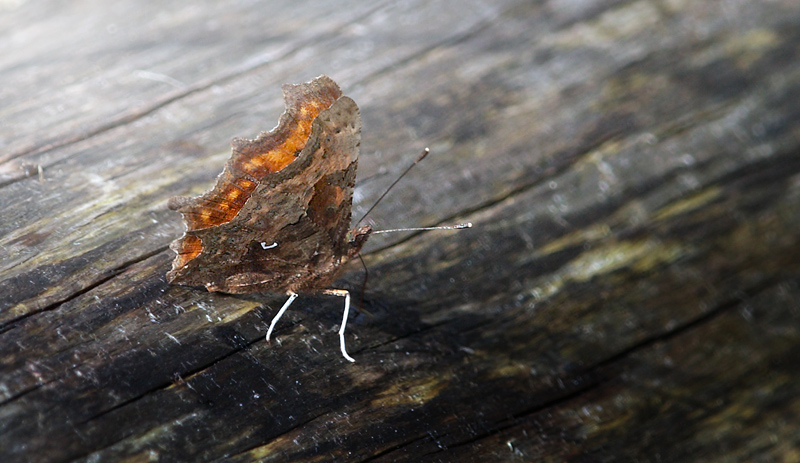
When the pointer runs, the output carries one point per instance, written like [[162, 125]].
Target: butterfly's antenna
[[447, 227], [419, 158], [451, 227]]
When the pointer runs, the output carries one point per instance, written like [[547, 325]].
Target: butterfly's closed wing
[[278, 218]]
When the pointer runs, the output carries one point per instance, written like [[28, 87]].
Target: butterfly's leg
[[292, 297], [346, 295]]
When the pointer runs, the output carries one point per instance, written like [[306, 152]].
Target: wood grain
[[630, 290]]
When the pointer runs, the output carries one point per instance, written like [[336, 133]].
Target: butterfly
[[278, 218]]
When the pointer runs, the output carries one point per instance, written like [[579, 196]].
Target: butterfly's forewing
[[279, 215]]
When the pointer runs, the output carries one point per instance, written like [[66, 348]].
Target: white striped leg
[[346, 294], [292, 297]]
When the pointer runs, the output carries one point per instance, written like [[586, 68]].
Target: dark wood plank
[[629, 291]]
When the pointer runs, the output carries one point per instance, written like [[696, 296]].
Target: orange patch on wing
[[258, 158], [324, 207], [191, 247], [275, 159]]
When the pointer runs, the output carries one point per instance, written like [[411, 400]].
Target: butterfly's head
[[356, 239]]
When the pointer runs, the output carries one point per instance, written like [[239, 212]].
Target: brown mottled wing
[[278, 218]]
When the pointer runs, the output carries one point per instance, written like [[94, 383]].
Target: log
[[630, 290]]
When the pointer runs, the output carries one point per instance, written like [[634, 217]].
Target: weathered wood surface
[[630, 291]]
